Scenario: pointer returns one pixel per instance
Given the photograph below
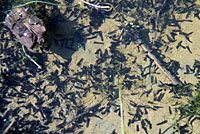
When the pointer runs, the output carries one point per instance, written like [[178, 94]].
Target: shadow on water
[[66, 35], [62, 37]]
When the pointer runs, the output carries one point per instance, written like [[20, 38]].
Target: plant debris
[[26, 26]]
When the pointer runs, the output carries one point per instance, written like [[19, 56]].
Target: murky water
[[87, 54]]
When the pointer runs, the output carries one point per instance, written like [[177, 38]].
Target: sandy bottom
[[77, 91]]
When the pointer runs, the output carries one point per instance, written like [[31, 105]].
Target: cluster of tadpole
[[111, 64]]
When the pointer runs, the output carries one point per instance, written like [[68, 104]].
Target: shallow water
[[89, 54]]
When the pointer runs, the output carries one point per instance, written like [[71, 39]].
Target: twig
[[121, 108], [44, 2], [39, 67], [8, 127], [158, 64], [96, 6]]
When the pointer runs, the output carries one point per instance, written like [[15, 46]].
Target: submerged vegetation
[[192, 106], [187, 109]]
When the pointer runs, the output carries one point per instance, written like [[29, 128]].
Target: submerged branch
[[158, 63]]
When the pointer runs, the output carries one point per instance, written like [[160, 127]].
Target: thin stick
[[31, 2], [9, 126], [39, 67], [121, 108], [44, 2], [96, 6], [158, 64]]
